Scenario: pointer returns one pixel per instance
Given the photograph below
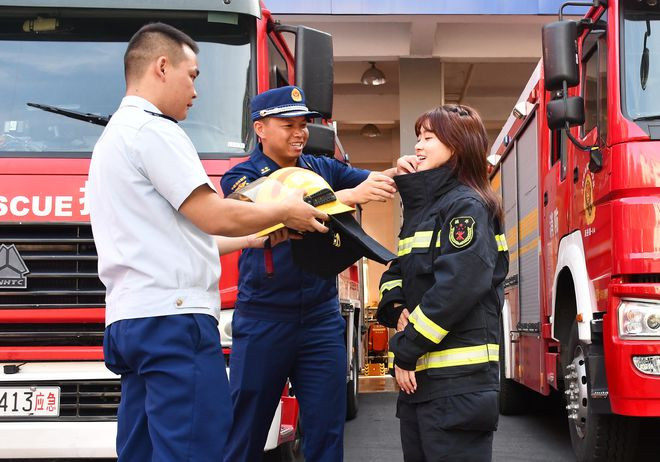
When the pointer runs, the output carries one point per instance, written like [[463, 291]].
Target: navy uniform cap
[[281, 102], [328, 254]]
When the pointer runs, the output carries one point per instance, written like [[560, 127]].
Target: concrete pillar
[[421, 87]]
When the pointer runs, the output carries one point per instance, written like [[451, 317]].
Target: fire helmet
[[283, 182], [325, 254]]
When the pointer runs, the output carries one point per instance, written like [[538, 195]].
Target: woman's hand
[[405, 379], [403, 320], [406, 164]]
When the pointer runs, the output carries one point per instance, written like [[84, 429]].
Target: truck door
[[556, 206], [589, 186]]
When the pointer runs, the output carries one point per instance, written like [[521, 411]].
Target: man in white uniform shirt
[[153, 211]]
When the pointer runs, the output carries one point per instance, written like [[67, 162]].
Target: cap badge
[[295, 95]]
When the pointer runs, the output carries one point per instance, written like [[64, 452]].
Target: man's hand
[[403, 320], [377, 187], [405, 379], [302, 216], [231, 244], [406, 164], [276, 237]]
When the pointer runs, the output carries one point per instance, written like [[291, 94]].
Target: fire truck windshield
[[78, 67], [641, 59]]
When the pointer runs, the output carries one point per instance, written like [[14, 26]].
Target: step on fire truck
[[61, 77], [578, 168]]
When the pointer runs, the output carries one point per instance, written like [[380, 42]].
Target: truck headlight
[[639, 319]]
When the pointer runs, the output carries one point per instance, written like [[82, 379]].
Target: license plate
[[30, 402]]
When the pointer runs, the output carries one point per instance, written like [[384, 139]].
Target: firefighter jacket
[[452, 261]]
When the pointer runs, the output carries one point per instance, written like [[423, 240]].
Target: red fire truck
[[578, 168], [60, 77]]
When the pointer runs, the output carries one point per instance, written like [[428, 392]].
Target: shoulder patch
[[461, 231], [239, 184]]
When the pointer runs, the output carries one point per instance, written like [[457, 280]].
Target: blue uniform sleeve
[[236, 178], [338, 174]]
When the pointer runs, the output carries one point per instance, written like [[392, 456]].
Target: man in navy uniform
[[288, 323]]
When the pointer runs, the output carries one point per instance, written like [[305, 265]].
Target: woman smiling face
[[430, 151]]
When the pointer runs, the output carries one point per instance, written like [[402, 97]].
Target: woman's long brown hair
[[460, 128]]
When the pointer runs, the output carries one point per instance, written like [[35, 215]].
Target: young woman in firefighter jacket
[[444, 293]]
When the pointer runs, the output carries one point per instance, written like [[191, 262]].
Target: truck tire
[[513, 397], [353, 384], [594, 437]]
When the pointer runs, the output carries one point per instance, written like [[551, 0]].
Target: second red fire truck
[[578, 168]]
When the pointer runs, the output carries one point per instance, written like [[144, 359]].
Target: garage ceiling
[[487, 61]]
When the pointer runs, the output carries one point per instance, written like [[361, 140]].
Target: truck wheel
[[594, 437], [513, 396], [352, 387]]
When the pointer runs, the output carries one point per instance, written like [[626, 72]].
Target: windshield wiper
[[84, 116], [651, 117]]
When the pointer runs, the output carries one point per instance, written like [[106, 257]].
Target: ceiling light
[[373, 76], [370, 131]]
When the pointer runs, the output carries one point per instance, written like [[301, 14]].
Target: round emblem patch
[[461, 231], [295, 95]]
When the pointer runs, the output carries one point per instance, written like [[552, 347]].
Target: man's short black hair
[[153, 40]]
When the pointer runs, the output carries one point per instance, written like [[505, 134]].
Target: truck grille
[[62, 262], [644, 278], [83, 334], [84, 400]]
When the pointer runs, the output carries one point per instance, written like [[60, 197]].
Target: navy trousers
[[449, 429], [175, 403], [313, 355]]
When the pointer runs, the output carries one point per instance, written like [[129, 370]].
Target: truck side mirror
[[321, 140], [564, 110], [560, 62], [314, 67]]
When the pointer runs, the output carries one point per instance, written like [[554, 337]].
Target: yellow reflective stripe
[[405, 245], [389, 285], [390, 360], [420, 240], [426, 327], [464, 356], [501, 243]]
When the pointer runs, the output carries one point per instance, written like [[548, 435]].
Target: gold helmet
[[283, 182]]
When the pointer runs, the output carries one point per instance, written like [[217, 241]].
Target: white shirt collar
[[138, 101]]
